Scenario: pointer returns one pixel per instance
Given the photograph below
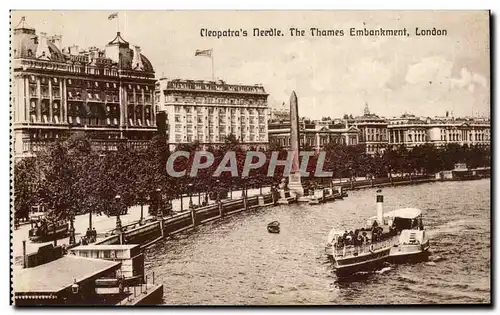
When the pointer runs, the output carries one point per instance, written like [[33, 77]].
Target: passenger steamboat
[[364, 249]]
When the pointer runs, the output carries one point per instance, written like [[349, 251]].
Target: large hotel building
[[105, 93], [209, 111]]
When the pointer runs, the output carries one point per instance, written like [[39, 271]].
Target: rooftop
[[103, 247], [59, 274], [214, 86]]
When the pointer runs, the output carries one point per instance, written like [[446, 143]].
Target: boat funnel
[[380, 207]]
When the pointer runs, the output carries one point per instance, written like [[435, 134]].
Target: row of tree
[[70, 177]]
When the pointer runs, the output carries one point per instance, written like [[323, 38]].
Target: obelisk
[[294, 183]]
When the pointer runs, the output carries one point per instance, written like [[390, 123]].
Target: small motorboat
[[273, 227]]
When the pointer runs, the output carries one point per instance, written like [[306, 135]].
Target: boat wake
[[383, 270]]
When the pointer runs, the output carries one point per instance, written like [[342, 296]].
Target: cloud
[[429, 70]]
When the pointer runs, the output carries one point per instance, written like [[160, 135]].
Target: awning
[[404, 213]]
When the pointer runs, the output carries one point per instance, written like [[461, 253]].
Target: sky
[[332, 76]]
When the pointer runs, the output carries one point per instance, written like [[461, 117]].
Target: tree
[[62, 176], [26, 186]]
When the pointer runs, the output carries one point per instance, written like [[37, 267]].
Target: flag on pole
[[204, 53], [113, 16]]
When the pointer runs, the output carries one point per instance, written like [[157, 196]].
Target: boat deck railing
[[352, 250]]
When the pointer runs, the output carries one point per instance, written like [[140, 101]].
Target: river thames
[[236, 261]]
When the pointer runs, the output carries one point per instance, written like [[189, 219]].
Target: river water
[[236, 261]]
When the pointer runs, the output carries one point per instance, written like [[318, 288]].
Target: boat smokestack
[[380, 207]]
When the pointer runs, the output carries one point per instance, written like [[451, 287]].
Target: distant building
[[278, 113], [208, 112], [313, 134], [373, 131], [105, 93], [411, 131]]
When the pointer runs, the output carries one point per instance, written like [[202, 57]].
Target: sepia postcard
[[250, 158]]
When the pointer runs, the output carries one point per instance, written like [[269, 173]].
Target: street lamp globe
[[75, 287]]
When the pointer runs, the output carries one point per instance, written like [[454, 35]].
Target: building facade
[[412, 131], [379, 133], [208, 112], [278, 113], [105, 93], [373, 131], [314, 135]]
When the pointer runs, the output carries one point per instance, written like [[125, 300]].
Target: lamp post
[[245, 192], [390, 173], [409, 170], [141, 200], [159, 213], [72, 240], [90, 219], [351, 174], [190, 188], [231, 188], [206, 202], [217, 183], [117, 209]]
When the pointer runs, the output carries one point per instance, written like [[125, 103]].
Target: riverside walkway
[[103, 224]]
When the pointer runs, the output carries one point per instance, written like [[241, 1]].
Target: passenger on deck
[[340, 242], [359, 239], [365, 238], [348, 239]]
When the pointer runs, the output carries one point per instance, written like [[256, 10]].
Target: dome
[[148, 67], [23, 27], [55, 53]]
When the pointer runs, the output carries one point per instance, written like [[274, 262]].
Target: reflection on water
[[237, 261]]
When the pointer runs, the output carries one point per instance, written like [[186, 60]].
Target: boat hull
[[273, 229], [409, 252], [365, 262]]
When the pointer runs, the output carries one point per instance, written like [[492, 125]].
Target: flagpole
[[213, 73], [118, 23]]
